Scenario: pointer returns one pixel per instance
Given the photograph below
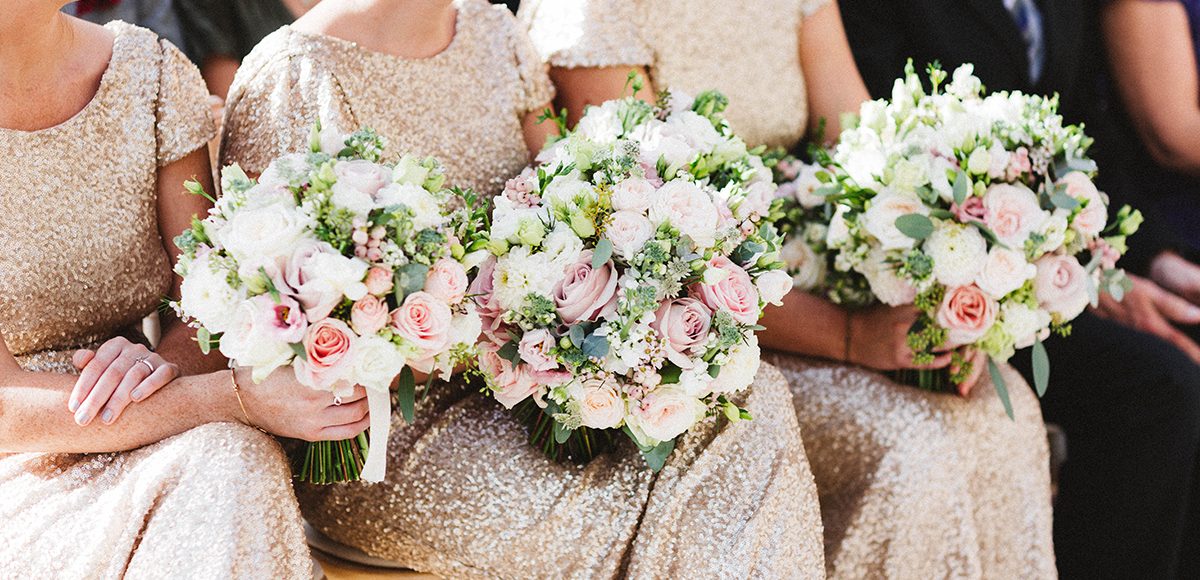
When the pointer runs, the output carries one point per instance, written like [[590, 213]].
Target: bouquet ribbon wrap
[[379, 401]]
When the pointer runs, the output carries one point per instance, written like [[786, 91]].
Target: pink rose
[[363, 175], [1090, 220], [424, 321], [683, 324], [535, 349], [967, 313], [971, 210], [733, 291], [485, 301], [1061, 286], [585, 293], [628, 231], [601, 405], [1012, 213], [379, 280], [666, 413], [369, 315], [283, 320], [327, 348], [447, 280], [317, 297], [510, 385], [633, 194]]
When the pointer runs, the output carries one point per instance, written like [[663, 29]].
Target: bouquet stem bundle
[[579, 445], [325, 462]]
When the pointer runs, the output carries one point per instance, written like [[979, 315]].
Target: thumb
[[1175, 308]]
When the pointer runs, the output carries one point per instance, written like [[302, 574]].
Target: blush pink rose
[[535, 349], [510, 385], [363, 175], [369, 315], [328, 357], [1012, 213], [379, 280], [1094, 216], [585, 293], [683, 324], [734, 292], [447, 280], [967, 313], [633, 194], [1061, 286], [481, 289], [283, 320], [971, 210], [317, 298], [424, 321], [628, 231]]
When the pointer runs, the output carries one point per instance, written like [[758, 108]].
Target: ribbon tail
[[380, 405]]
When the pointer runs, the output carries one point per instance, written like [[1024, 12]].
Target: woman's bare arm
[[834, 84], [580, 87]]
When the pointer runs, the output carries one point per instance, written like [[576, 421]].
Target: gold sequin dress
[[81, 259], [466, 495], [912, 484]]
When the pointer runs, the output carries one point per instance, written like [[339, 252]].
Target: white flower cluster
[[344, 268], [976, 208], [630, 269]]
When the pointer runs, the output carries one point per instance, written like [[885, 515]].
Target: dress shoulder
[[535, 87], [282, 89], [588, 33], [810, 7], [184, 121]]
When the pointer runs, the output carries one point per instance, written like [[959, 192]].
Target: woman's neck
[[403, 28], [36, 43]]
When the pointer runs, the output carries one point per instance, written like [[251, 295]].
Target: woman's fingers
[[137, 385], [345, 413], [92, 371], [359, 394], [341, 432], [81, 358], [939, 362], [124, 365]]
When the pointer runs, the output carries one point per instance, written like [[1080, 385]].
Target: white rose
[[664, 415], [689, 209], [806, 267], [909, 174], [655, 145], [889, 288], [321, 277], [1012, 212], [957, 252], [773, 286], [207, 296], [331, 139], [519, 274], [600, 404], [601, 123], [757, 201], [634, 194], [265, 233], [738, 372], [360, 203], [410, 171], [562, 246], [251, 346], [1003, 272], [695, 129], [426, 208], [628, 231], [377, 362], [1023, 323], [880, 218], [806, 186]]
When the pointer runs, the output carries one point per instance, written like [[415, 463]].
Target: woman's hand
[[283, 406], [115, 375], [879, 340]]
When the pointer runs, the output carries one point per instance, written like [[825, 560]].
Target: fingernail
[[107, 416], [136, 395], [81, 418], [72, 406]]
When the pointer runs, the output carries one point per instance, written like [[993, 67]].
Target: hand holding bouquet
[[630, 270], [981, 211], [348, 270]]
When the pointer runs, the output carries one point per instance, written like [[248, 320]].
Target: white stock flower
[[562, 246], [601, 124], [957, 251], [568, 191], [1023, 323], [519, 274], [739, 371]]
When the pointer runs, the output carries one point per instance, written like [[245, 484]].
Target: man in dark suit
[[1129, 401]]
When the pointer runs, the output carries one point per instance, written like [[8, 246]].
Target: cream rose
[[633, 194], [666, 414], [377, 362], [805, 266], [1061, 286], [880, 218], [628, 231], [600, 404], [1003, 272], [689, 209], [1012, 212], [773, 286]]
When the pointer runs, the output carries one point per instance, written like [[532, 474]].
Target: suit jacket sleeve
[[877, 37]]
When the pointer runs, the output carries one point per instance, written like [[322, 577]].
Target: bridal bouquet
[[351, 271], [630, 270], [981, 211]]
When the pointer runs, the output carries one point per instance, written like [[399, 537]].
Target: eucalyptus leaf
[[561, 433], [915, 226], [298, 348], [412, 277], [656, 458], [1001, 387], [962, 187], [602, 253], [1063, 201], [670, 374], [1041, 368], [407, 395], [204, 339], [828, 190], [714, 371], [595, 346], [942, 214], [577, 335]]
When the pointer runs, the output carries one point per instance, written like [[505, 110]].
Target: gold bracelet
[[237, 392]]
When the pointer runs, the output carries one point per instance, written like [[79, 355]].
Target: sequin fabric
[[80, 259], [483, 84], [750, 51], [921, 485], [465, 494]]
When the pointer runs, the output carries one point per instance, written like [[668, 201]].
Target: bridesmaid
[[99, 127], [912, 484], [466, 495]]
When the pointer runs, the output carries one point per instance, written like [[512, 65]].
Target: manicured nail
[[72, 406], [81, 418], [136, 395], [107, 416]]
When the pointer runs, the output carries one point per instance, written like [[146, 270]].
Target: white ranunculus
[[738, 372], [880, 218], [628, 231], [957, 252], [519, 274], [562, 246], [264, 233], [377, 362], [1003, 272], [806, 267], [689, 209], [665, 414], [889, 288], [773, 286], [695, 129], [1023, 323], [426, 208], [207, 296]]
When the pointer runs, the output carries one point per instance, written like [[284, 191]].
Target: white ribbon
[[380, 405]]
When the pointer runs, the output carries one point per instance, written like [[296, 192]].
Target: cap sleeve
[[184, 120], [536, 88], [274, 103], [810, 7], [588, 33]]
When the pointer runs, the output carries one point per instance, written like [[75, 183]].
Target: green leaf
[[1061, 200], [271, 289], [942, 214], [298, 348], [962, 187], [411, 278], [656, 457], [602, 253], [1001, 387], [510, 352], [1041, 368], [714, 371], [407, 394], [561, 433], [989, 235], [915, 226], [204, 338], [595, 346], [670, 374], [577, 335]]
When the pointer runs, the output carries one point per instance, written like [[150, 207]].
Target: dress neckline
[[357, 48], [119, 29]]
